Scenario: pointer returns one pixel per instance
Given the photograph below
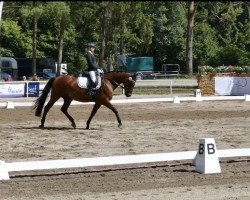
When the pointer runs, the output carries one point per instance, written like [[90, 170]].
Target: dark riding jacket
[[92, 64]]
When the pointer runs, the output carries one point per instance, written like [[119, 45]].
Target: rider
[[93, 67]]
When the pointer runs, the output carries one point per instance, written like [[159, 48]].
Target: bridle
[[115, 83]]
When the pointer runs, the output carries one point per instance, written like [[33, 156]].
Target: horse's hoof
[[41, 126], [120, 126], [74, 125], [87, 128]]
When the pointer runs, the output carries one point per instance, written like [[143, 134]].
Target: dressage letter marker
[[10, 105], [197, 94], [206, 160], [176, 100], [247, 97], [4, 175]]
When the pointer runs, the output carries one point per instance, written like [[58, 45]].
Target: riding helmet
[[90, 45]]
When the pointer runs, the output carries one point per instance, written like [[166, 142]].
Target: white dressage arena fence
[[205, 159], [176, 99]]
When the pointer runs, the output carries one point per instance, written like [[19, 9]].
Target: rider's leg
[[92, 83], [93, 78]]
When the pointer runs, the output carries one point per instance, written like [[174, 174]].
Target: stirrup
[[90, 93]]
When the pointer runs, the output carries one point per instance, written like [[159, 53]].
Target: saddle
[[84, 81]]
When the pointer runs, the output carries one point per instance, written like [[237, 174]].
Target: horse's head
[[129, 85], [126, 79]]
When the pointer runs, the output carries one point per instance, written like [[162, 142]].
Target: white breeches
[[92, 75]]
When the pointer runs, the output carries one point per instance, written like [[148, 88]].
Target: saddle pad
[[83, 82]]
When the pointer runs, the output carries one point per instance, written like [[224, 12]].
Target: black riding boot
[[92, 85]]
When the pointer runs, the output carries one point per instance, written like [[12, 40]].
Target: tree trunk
[[103, 40], [122, 46], [107, 12], [34, 41], [1, 9], [60, 46], [189, 47]]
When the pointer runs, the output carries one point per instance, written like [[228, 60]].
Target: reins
[[119, 85]]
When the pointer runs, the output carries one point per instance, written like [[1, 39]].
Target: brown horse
[[67, 88]]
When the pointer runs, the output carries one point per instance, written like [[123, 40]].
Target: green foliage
[[13, 41], [206, 69], [246, 69], [6, 52], [230, 55], [240, 70], [205, 44], [139, 29], [202, 70], [30, 11], [169, 40], [11, 34], [158, 29]]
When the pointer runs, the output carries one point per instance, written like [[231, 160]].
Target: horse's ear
[[133, 77]]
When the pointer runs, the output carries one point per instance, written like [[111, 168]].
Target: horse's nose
[[128, 95]]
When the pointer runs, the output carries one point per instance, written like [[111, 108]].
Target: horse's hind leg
[[93, 112], [47, 108], [64, 109]]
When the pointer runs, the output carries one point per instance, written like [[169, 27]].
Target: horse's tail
[[40, 101]]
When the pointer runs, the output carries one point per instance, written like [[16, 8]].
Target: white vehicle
[[63, 69]]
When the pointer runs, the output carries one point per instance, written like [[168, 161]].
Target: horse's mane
[[116, 72], [133, 75]]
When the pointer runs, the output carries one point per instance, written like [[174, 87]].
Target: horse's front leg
[[94, 110], [111, 107]]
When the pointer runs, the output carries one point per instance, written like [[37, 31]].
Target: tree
[[231, 21], [1, 8], [192, 7], [169, 39], [58, 14], [16, 41], [165, 30], [205, 45], [141, 28], [132, 28], [105, 13], [84, 28], [60, 45], [63, 16], [35, 12], [10, 37]]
